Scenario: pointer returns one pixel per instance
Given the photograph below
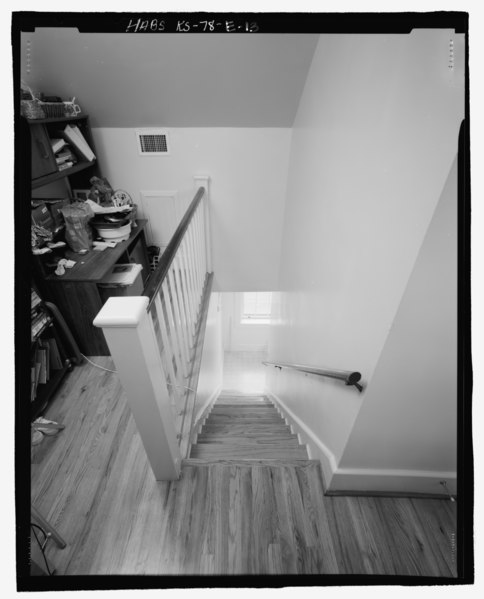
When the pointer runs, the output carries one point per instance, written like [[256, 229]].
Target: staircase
[[246, 427]]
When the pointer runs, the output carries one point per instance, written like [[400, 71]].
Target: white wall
[[247, 169], [181, 80], [414, 428], [211, 368], [373, 142], [238, 336]]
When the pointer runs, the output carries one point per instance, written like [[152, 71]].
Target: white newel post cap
[[126, 311]]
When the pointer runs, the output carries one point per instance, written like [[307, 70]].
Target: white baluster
[[186, 287], [191, 272], [164, 348], [172, 341], [179, 327], [182, 287]]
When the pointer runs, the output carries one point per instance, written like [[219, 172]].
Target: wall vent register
[[152, 142]]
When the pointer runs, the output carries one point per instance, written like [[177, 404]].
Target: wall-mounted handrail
[[350, 377], [157, 277]]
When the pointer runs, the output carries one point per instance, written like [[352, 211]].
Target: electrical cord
[[115, 371], [97, 365], [33, 527]]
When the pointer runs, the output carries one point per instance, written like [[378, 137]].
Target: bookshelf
[[45, 165], [54, 158], [49, 360]]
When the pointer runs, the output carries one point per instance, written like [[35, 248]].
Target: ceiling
[[192, 80]]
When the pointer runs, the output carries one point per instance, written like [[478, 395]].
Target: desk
[[77, 295]]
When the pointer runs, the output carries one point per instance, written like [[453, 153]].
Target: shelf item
[[76, 139], [52, 352], [49, 138]]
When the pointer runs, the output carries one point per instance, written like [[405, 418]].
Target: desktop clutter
[[101, 220]]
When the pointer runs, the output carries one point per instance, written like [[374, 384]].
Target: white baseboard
[[340, 481], [317, 450], [398, 482]]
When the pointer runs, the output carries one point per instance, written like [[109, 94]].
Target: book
[[46, 347], [42, 217], [65, 154], [38, 323], [55, 359], [43, 365], [33, 382], [65, 165], [34, 299], [55, 208], [74, 136], [57, 144], [37, 375]]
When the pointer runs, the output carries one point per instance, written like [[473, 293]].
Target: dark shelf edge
[[46, 179], [57, 119]]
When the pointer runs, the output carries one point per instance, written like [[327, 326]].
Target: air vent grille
[[153, 143]]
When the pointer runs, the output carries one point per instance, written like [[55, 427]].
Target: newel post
[[202, 181], [131, 339]]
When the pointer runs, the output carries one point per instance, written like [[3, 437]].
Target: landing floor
[[93, 482]]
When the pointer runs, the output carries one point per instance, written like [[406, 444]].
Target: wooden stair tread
[[244, 410], [235, 420], [226, 446], [273, 463], [285, 434], [241, 427], [228, 451], [245, 438], [245, 404]]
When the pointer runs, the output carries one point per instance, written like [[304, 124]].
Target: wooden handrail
[[348, 376], [157, 277]]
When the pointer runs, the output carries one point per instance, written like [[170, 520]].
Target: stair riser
[[254, 437], [244, 452], [243, 406], [244, 421], [242, 430], [285, 434], [247, 442], [245, 411]]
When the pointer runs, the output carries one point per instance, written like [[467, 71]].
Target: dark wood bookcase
[[44, 166], [79, 293], [46, 332]]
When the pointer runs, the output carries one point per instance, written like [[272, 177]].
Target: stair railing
[[350, 377], [152, 339]]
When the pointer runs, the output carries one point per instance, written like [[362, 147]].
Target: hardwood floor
[[92, 481]]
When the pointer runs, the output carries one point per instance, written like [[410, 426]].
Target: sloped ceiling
[[192, 80]]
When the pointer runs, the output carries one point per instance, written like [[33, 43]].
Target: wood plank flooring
[[237, 516]]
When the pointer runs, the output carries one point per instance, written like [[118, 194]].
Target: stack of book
[[64, 156], [39, 318], [71, 134], [45, 351]]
